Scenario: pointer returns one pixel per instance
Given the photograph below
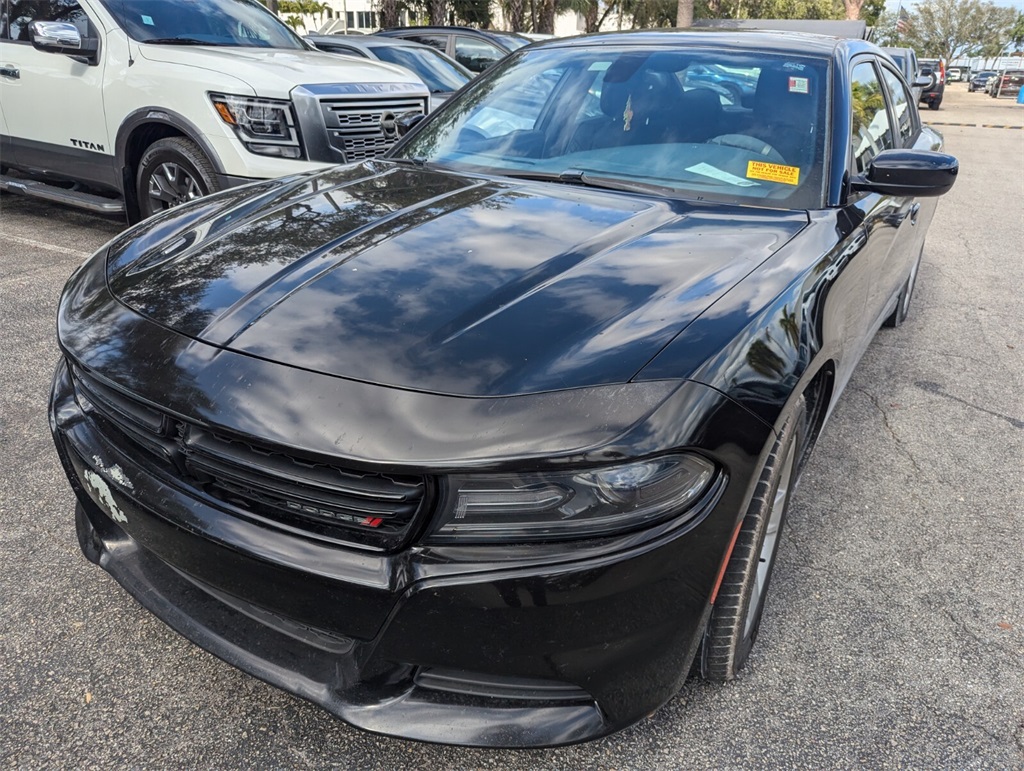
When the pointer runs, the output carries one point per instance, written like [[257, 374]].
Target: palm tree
[[684, 13]]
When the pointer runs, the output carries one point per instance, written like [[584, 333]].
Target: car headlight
[[571, 504], [265, 126]]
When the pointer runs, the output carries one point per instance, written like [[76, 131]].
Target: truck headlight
[[571, 504], [265, 126]]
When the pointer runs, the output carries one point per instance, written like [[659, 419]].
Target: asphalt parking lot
[[894, 636]]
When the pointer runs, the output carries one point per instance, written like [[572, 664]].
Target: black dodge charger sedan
[[491, 441]]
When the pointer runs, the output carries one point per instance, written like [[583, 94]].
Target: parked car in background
[[441, 74], [979, 81], [491, 440], [737, 85], [934, 72], [958, 74], [906, 60], [474, 49], [136, 106], [1006, 83]]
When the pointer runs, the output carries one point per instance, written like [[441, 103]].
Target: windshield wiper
[[580, 177], [181, 41]]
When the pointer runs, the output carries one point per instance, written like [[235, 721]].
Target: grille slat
[[354, 126], [320, 498]]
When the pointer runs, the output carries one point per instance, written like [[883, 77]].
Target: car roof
[[488, 33], [769, 41], [367, 41], [852, 29]]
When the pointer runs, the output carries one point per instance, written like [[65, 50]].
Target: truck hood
[[443, 282], [273, 73]]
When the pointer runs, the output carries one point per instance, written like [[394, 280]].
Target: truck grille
[[316, 497], [363, 127]]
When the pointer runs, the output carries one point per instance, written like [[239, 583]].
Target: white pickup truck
[[135, 106]]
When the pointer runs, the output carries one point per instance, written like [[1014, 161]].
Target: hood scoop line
[[547, 274]]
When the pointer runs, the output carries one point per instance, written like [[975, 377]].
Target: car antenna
[[124, 20]]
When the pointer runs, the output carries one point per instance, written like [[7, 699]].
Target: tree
[[437, 11], [390, 13], [474, 13], [955, 28], [885, 32], [771, 9], [1017, 34], [514, 12], [871, 10], [684, 13]]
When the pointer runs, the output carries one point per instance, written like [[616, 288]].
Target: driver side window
[[870, 127]]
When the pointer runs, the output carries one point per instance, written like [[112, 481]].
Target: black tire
[[171, 172], [934, 104], [902, 309], [736, 615]]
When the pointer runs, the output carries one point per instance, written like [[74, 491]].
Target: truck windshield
[[237, 23]]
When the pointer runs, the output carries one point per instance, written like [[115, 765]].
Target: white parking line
[[44, 245]]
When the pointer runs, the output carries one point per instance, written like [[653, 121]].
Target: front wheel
[[171, 172], [736, 615]]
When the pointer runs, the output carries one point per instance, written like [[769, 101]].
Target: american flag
[[903, 21]]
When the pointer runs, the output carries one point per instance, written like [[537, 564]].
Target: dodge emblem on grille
[[389, 125]]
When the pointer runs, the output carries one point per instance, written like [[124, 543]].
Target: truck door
[[52, 103]]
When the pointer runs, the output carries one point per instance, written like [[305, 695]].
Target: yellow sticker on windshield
[[773, 172]]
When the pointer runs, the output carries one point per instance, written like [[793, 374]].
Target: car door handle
[[914, 211], [10, 72]]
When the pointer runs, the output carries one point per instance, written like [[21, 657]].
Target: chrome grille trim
[[356, 126]]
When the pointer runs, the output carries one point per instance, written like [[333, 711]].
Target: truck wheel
[[173, 171]]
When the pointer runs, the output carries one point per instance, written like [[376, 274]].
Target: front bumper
[[487, 646]]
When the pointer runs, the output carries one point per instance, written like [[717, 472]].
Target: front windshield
[[441, 75], [644, 117], [237, 23]]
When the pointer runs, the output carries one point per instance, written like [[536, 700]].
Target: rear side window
[[870, 128], [900, 106], [22, 12], [440, 42], [476, 55]]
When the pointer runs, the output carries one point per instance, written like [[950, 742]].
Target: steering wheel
[[749, 143]]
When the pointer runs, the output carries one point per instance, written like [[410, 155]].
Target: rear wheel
[[171, 172], [736, 616]]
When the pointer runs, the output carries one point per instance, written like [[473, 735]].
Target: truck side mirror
[[57, 37], [60, 37]]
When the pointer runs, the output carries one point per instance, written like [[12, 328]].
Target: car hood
[[273, 73], [442, 282]]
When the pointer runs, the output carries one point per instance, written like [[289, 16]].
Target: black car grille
[[363, 127], [314, 497]]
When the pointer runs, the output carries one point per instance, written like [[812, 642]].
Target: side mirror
[[407, 121], [921, 173], [921, 81], [60, 37], [57, 37]]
